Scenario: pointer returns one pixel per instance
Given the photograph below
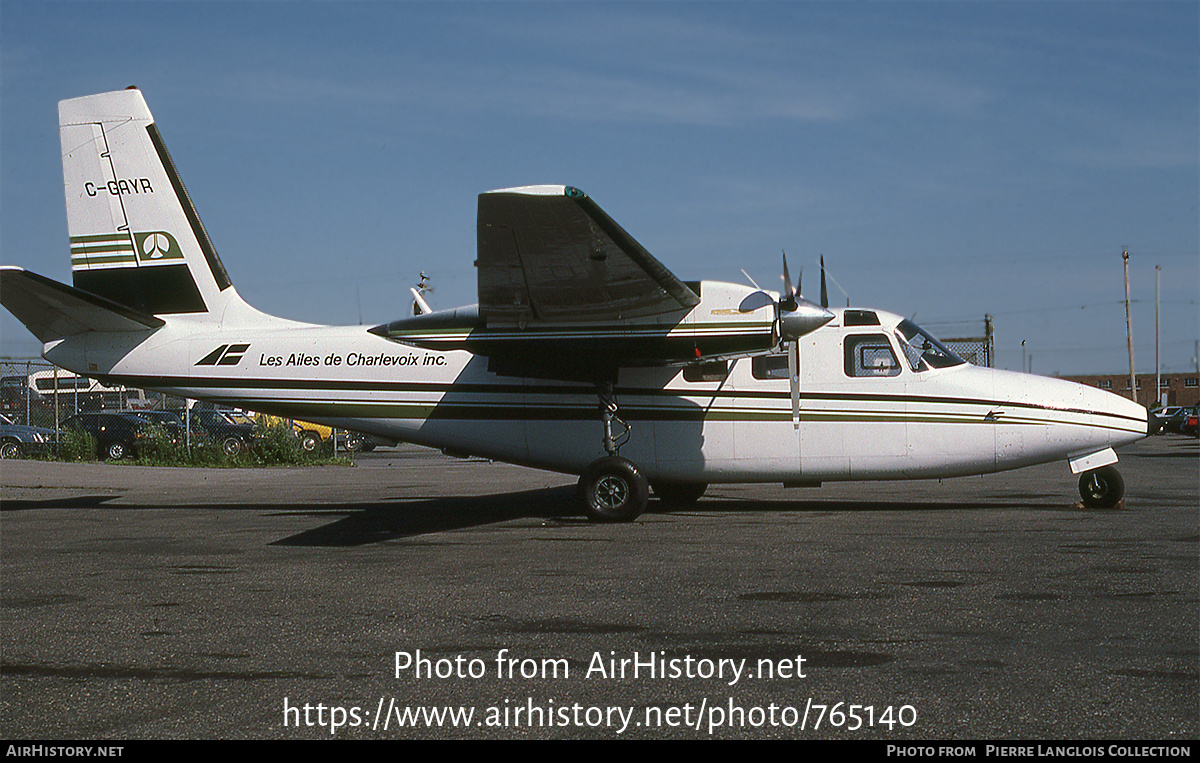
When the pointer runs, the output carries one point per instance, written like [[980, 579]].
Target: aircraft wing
[[549, 254], [565, 293]]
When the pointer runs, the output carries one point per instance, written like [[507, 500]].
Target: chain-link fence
[[36, 393]]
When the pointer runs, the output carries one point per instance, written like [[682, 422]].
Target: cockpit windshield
[[922, 350]]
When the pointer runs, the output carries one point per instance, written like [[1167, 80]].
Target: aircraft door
[[873, 407], [766, 438]]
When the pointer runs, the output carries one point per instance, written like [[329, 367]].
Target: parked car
[[117, 434], [313, 437], [17, 440], [1177, 422], [1158, 424], [172, 421], [233, 436], [1191, 424]]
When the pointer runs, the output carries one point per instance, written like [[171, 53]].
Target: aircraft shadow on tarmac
[[375, 522]]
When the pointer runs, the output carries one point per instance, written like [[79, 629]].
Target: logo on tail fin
[[158, 245]]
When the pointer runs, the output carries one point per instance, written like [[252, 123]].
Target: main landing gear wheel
[[679, 493], [1101, 488], [613, 490]]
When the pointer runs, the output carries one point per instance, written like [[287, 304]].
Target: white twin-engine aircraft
[[585, 355]]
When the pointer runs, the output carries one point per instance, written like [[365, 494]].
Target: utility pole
[[1129, 331], [989, 341], [1157, 344]]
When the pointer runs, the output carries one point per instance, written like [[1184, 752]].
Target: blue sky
[[947, 159]]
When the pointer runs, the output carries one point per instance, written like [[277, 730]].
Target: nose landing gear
[[1101, 488]]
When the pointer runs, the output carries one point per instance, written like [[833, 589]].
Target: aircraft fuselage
[[890, 417]]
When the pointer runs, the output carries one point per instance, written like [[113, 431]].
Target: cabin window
[[707, 372], [769, 366], [860, 318], [870, 355]]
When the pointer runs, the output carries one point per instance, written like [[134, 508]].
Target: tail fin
[[135, 237]]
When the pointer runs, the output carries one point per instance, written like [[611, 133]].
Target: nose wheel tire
[[613, 490], [1101, 488]]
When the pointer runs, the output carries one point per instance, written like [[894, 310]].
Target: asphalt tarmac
[[415, 595]]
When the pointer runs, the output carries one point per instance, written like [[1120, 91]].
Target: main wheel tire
[[1101, 488], [117, 451], [613, 490], [232, 445], [10, 449], [679, 493]]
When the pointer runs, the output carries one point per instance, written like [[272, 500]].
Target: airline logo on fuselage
[[225, 355]]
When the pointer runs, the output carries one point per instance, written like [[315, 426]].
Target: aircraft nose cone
[[806, 318]]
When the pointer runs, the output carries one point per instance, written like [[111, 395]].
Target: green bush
[[76, 445], [278, 445], [159, 446]]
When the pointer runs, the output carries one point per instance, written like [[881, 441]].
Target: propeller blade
[[788, 300], [824, 291], [793, 353]]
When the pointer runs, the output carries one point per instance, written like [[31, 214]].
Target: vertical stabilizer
[[135, 237]]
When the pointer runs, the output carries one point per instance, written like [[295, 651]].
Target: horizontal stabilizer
[[51, 310]]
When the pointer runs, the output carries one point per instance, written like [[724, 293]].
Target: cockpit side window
[[870, 355], [922, 351]]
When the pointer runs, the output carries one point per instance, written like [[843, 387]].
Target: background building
[[1177, 388]]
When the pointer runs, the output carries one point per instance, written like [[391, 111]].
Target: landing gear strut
[[612, 489], [608, 415], [1101, 488]]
